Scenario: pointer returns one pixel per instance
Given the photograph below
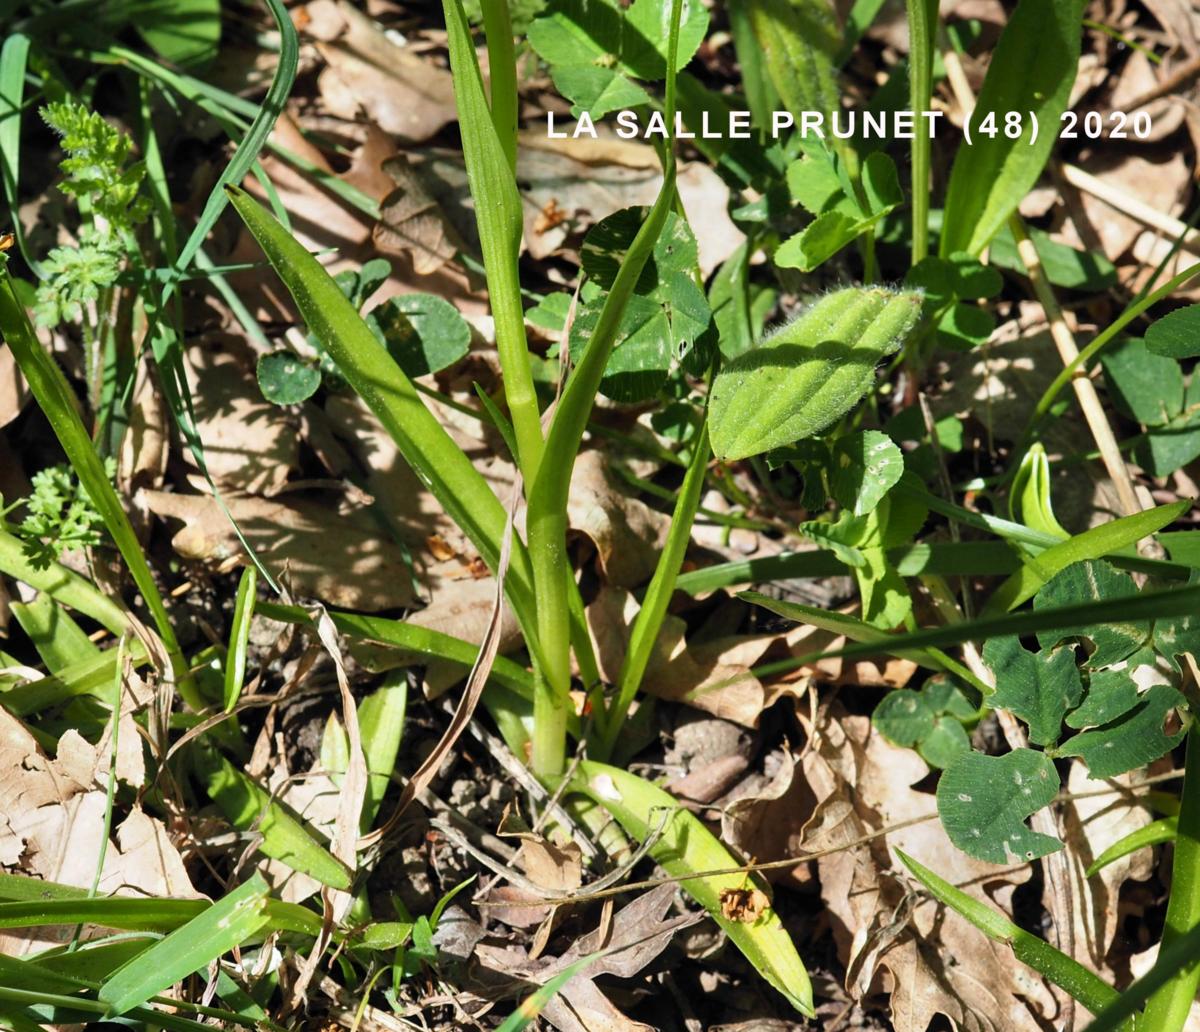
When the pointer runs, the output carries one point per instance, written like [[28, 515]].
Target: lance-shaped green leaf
[[684, 846], [250, 807], [1031, 74], [1091, 544], [810, 372], [799, 40], [984, 801], [371, 371], [1153, 834], [1039, 687], [1093, 992], [226, 924], [57, 401]]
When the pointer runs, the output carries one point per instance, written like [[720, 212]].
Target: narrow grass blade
[[938, 558], [532, 1006], [57, 401], [489, 148], [381, 724], [63, 585], [59, 640], [922, 29], [407, 642], [26, 902], [375, 376], [127, 913], [77, 1010], [1091, 544], [648, 623], [1174, 959], [239, 636], [682, 846], [859, 630], [228, 923], [1063, 971], [249, 807], [14, 58], [547, 496], [1153, 834], [1147, 606], [92, 676], [167, 346]]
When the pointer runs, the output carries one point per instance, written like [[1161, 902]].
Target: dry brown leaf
[[744, 905], [340, 558], [13, 390], [558, 868], [367, 73], [250, 445], [1098, 226], [1180, 19], [1138, 78], [1091, 824], [52, 827], [864, 783], [627, 533], [638, 933], [411, 221]]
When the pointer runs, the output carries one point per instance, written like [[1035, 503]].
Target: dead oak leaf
[[340, 558], [368, 72]]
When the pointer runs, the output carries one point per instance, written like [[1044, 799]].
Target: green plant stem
[[1169, 1007], [57, 401], [1104, 338], [498, 212], [502, 75], [547, 497], [922, 24], [650, 617]]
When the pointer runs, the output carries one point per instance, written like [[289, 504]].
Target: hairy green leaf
[[1176, 335], [810, 372]]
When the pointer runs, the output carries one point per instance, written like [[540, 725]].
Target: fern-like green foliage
[[75, 276], [97, 164], [59, 516], [99, 172]]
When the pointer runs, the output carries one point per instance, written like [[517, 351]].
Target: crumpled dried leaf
[[250, 445], [1091, 824], [864, 783], [411, 220], [640, 931], [51, 827], [367, 72], [1138, 78], [13, 390], [341, 558], [627, 533], [714, 675]]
